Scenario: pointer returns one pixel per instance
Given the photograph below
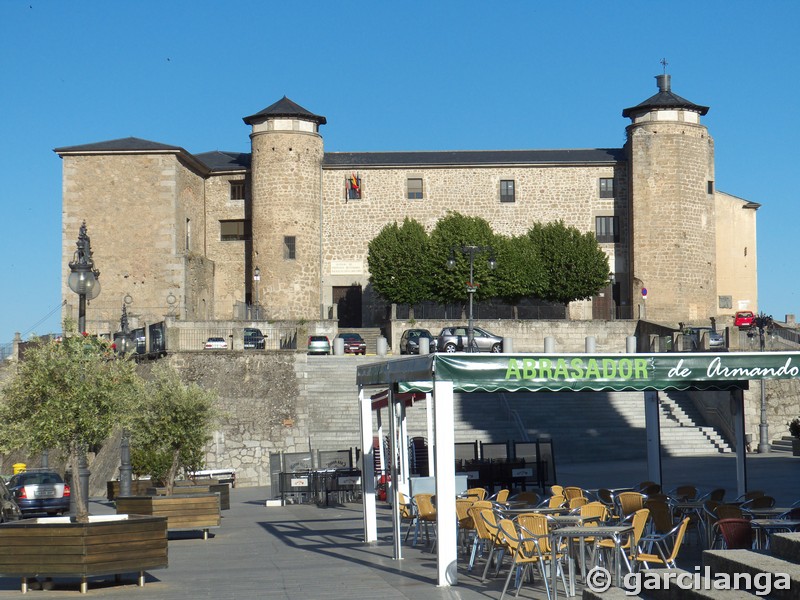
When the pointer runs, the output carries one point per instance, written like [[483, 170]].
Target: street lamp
[[123, 339], [256, 279], [472, 287], [763, 322], [84, 278]]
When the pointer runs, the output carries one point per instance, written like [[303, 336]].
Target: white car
[[216, 343]]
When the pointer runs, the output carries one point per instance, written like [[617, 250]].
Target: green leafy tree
[[452, 234], [172, 426], [519, 273], [68, 395], [574, 264], [398, 263]]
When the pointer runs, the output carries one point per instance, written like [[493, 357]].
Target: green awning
[[583, 372]]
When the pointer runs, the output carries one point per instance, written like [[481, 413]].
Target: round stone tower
[[286, 194], [673, 245]]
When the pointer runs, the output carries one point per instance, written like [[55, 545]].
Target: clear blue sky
[[388, 76]]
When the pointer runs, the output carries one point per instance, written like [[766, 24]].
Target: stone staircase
[[584, 427], [782, 445], [370, 335], [772, 574], [683, 431]]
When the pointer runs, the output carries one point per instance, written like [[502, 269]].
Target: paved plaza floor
[[316, 552]]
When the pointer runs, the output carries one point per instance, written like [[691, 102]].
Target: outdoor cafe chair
[[478, 493], [572, 492], [408, 514], [683, 493], [628, 547], [577, 502], [729, 511], [736, 534], [464, 521], [628, 503], [500, 497], [496, 541], [426, 512], [715, 495], [750, 495], [667, 546], [483, 538], [534, 548], [661, 516], [759, 502], [555, 502]]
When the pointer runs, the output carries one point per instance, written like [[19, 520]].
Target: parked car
[[455, 339], [716, 340], [353, 343], [743, 319], [254, 339], [9, 510], [216, 343], [409, 341], [319, 344], [40, 491]]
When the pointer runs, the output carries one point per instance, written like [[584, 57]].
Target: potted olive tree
[[68, 395], [794, 431], [168, 433]]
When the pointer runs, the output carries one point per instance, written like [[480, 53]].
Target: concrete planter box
[[183, 511], [106, 545], [795, 446]]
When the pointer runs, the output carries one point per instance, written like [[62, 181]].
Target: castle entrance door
[[348, 301]]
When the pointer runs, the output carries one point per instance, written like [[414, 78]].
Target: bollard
[[424, 345], [549, 345], [383, 346], [508, 345], [591, 344], [630, 344], [338, 346]]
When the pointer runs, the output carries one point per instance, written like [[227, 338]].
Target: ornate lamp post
[[83, 278], [763, 322], [256, 279], [472, 287]]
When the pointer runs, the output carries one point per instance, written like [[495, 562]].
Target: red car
[[353, 343], [743, 319]]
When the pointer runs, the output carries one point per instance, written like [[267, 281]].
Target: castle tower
[[286, 197], [673, 245]]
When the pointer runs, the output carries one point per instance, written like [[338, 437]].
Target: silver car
[[455, 339]]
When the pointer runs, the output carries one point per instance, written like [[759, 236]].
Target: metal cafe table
[[612, 532]]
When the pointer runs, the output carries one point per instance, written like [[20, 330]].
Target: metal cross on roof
[[664, 64]]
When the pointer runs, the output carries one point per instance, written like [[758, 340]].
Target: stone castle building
[[181, 234]]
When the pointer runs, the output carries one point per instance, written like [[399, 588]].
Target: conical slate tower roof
[[286, 108], [664, 99]]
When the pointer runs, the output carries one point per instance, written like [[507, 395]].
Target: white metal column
[[367, 469], [444, 439], [431, 435]]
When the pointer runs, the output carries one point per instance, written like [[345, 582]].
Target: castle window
[[237, 190], [507, 190], [352, 186], [710, 187], [606, 187], [289, 247], [414, 187], [607, 229], [188, 234], [232, 231]]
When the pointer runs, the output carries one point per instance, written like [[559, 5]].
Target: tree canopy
[[68, 394], [172, 427], [398, 263], [575, 266], [551, 262]]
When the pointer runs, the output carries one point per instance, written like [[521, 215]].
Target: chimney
[[663, 82]]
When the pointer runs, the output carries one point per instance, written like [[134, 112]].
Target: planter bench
[[183, 511], [106, 545], [138, 488], [204, 487]]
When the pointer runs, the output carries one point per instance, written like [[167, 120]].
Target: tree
[[452, 234], [68, 395], [171, 427], [575, 266], [520, 273], [397, 261]]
